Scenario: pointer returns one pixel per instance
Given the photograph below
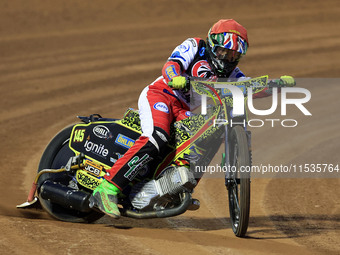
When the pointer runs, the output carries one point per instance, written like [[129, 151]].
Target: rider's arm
[[170, 70], [180, 59]]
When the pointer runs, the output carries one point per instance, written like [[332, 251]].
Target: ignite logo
[[95, 148]]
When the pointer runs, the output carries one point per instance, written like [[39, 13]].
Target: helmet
[[227, 41]]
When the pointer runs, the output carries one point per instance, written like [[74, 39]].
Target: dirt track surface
[[82, 57]]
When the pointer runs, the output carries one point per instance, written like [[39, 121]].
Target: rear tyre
[[239, 181], [55, 156]]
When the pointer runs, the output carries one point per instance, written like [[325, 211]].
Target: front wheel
[[238, 182]]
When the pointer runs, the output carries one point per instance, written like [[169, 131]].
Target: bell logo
[[101, 131]]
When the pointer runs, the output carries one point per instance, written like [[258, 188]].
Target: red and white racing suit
[[159, 106]]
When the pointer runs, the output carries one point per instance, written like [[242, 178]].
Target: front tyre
[[239, 181], [55, 156]]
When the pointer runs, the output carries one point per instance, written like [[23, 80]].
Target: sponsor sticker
[[183, 48], [93, 168], [201, 69], [124, 141], [202, 51], [160, 106], [101, 132], [171, 72], [98, 149], [87, 180], [135, 165], [193, 41]]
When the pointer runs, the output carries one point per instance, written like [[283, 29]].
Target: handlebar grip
[[187, 85]]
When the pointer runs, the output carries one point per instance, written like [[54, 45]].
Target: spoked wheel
[[55, 156], [238, 182]]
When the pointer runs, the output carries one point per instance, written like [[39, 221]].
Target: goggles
[[223, 42], [227, 54]]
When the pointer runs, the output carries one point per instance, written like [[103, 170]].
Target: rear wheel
[[55, 156], [239, 181]]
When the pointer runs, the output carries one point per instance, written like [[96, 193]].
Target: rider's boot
[[105, 198]]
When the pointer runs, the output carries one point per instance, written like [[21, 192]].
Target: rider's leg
[[145, 149], [155, 115]]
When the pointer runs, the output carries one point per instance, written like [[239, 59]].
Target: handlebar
[[275, 83]]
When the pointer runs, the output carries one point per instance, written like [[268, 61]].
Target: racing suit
[[159, 106]]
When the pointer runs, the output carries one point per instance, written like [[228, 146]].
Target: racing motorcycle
[[75, 162]]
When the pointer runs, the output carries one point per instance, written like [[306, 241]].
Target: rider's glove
[[287, 81], [178, 82]]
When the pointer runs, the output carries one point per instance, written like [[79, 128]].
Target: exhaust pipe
[[65, 196], [169, 212]]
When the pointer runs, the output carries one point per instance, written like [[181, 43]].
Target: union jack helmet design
[[228, 41], [227, 34]]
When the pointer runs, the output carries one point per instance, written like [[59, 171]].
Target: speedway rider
[[159, 104]]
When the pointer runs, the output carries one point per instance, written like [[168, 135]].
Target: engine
[[160, 192]]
